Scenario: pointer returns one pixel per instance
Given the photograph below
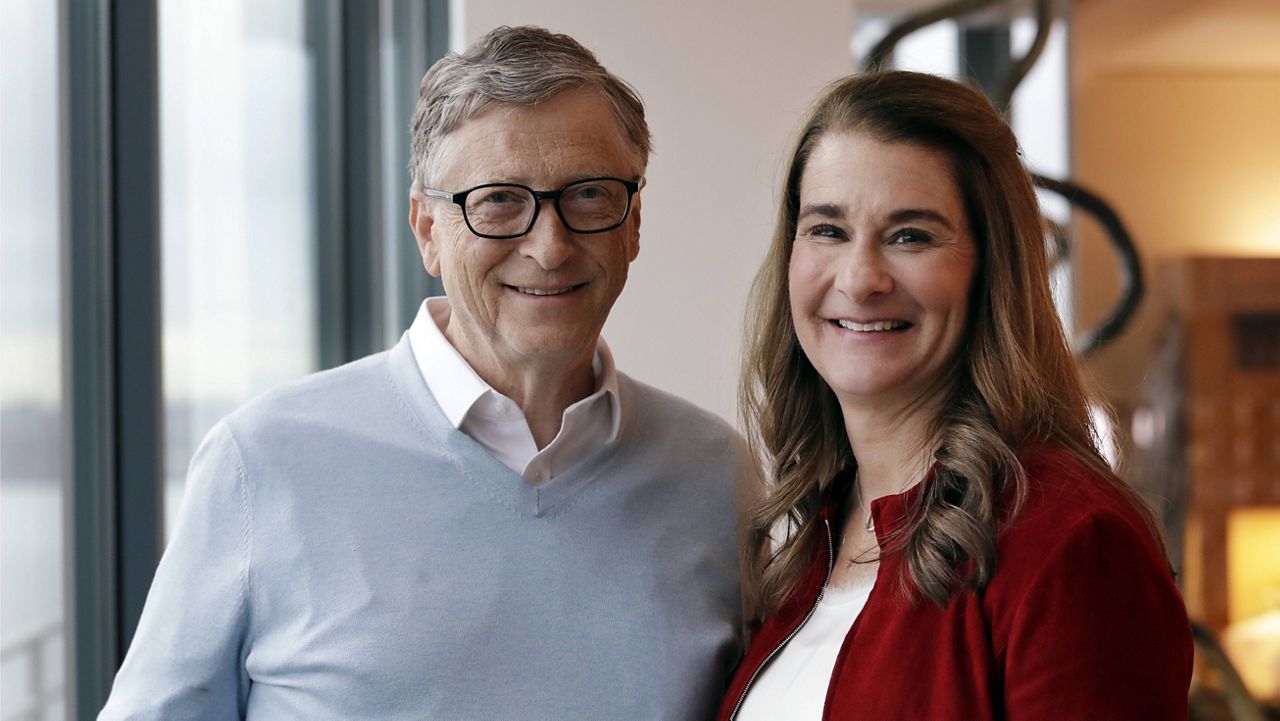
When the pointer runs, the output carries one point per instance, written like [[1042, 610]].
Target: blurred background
[[199, 201]]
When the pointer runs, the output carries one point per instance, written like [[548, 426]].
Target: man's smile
[[545, 290]]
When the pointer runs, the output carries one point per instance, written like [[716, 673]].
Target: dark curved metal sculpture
[[1088, 341], [1121, 314]]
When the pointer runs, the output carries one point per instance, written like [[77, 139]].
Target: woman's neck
[[892, 444]]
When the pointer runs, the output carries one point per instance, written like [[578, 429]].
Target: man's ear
[[422, 221], [633, 219]]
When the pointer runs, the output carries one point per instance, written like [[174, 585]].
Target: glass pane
[[931, 49], [1041, 119], [237, 169], [32, 530]]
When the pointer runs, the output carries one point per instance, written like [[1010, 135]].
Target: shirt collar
[[606, 374], [455, 384]]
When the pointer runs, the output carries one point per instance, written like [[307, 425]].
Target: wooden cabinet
[[1207, 441]]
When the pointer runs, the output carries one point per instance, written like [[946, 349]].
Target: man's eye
[[588, 192], [502, 196], [593, 193]]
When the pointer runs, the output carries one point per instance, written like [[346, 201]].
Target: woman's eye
[[823, 231], [911, 236]]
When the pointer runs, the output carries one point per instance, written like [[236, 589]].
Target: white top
[[794, 684], [494, 420]]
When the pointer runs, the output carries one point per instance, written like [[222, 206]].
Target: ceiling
[[1213, 36]]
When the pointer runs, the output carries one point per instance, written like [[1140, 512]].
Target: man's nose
[[548, 242], [863, 272]]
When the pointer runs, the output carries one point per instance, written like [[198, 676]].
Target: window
[[238, 222], [184, 190], [32, 537]]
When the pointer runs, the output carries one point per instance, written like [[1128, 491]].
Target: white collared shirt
[[494, 420]]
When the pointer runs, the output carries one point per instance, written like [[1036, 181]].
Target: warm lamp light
[[1253, 561], [1272, 236], [1253, 579], [1254, 649], [1254, 226]]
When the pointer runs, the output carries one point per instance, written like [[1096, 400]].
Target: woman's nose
[[863, 273]]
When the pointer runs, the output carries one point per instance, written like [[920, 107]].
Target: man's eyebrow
[[907, 215], [826, 210]]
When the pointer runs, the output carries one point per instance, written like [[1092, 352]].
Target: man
[[487, 521]]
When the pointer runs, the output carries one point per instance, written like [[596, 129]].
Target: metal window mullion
[[139, 383], [324, 31], [362, 147], [88, 354]]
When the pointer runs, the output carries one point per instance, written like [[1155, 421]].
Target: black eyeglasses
[[501, 211]]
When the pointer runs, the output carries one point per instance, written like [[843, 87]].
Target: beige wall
[[725, 84], [1191, 160]]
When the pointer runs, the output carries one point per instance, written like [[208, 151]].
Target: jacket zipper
[[831, 560]]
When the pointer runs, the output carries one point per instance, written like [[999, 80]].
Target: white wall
[[725, 85]]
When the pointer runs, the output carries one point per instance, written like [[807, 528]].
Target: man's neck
[[542, 388], [544, 393]]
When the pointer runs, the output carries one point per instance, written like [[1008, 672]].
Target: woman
[[940, 538]]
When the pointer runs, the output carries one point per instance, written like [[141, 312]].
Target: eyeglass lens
[[587, 206]]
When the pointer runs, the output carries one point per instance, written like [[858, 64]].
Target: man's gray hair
[[520, 65]]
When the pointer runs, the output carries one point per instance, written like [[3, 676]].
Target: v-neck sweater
[[343, 552]]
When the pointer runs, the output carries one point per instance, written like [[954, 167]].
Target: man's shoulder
[[664, 419], [344, 392], [696, 450], [652, 404]]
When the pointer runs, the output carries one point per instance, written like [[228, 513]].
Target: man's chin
[[563, 350], [550, 346]]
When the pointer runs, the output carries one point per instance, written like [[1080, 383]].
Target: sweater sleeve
[[187, 657], [1100, 633]]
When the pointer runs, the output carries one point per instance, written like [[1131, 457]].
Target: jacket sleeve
[[1100, 633], [187, 656]]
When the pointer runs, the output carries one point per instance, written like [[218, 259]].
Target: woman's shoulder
[[1063, 493], [1075, 517], [1082, 586]]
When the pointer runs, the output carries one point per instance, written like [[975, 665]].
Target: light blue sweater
[[344, 553]]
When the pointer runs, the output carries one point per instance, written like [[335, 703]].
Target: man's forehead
[[569, 136]]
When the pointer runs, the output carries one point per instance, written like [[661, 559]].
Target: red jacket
[[1081, 620]]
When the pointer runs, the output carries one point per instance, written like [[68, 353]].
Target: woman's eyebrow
[[907, 215], [826, 210]]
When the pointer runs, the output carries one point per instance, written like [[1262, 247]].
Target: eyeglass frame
[[460, 199]]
